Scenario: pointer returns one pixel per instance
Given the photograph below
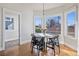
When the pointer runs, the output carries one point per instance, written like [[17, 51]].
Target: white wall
[[71, 42], [26, 26], [10, 34], [0, 30]]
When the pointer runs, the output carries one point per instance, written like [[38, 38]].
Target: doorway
[[11, 30]]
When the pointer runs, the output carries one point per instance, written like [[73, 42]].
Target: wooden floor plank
[[25, 50]]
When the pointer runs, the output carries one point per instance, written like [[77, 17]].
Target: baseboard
[[10, 40], [61, 42], [70, 46], [23, 42]]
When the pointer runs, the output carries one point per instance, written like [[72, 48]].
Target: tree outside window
[[38, 24]]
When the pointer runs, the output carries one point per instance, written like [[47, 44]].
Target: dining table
[[46, 35]]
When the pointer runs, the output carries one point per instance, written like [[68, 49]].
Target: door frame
[[3, 25]]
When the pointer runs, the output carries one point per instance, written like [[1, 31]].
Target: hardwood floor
[[25, 50]]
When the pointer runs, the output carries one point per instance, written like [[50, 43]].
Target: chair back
[[56, 40], [37, 40]]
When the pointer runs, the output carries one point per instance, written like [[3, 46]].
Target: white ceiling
[[31, 6]]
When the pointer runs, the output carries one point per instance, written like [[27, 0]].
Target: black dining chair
[[52, 42], [57, 42], [38, 42]]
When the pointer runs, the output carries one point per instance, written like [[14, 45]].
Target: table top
[[47, 35]]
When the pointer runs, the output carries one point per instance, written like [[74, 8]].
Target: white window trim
[[69, 36]]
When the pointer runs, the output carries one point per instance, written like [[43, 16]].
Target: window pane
[[71, 23], [38, 24], [53, 24]]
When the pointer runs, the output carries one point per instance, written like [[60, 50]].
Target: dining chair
[[57, 42], [39, 43], [52, 42]]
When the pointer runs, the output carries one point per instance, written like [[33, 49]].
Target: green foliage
[[37, 30]]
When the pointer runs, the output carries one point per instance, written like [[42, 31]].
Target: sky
[[37, 20], [70, 19]]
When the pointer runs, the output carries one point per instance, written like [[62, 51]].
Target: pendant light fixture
[[44, 25]]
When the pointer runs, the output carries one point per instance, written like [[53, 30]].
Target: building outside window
[[53, 24]]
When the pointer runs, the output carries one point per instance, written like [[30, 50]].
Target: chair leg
[[54, 50], [58, 45], [45, 49], [32, 50], [38, 50], [59, 48]]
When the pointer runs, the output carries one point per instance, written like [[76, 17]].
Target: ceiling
[[31, 6]]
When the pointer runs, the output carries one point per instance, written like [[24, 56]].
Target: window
[[71, 23], [38, 23], [53, 24], [9, 23]]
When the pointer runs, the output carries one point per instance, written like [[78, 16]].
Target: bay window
[[70, 18], [53, 24], [38, 24]]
